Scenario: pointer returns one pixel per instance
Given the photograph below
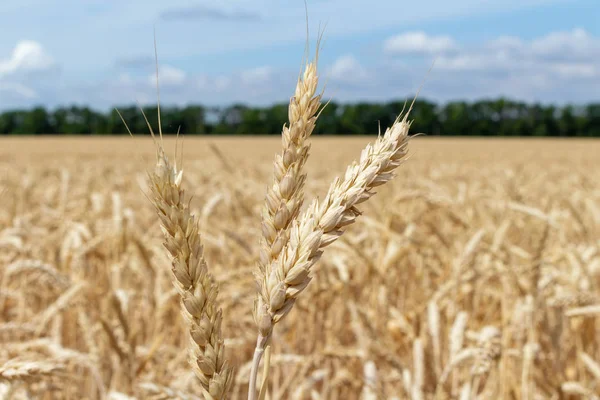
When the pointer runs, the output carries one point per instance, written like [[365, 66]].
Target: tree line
[[500, 117]]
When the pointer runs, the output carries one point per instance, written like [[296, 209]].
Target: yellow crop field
[[474, 273]]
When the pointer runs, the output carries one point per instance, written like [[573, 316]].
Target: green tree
[[9, 122], [37, 122]]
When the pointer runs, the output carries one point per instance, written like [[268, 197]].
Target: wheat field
[[475, 273]]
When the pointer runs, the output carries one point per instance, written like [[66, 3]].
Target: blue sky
[[100, 52]]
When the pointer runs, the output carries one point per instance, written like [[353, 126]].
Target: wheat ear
[[197, 288], [321, 224], [324, 222], [196, 285], [285, 195], [29, 371]]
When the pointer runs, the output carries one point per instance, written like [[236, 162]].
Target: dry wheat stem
[[196, 285]]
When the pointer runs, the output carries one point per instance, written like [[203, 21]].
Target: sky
[[100, 53]]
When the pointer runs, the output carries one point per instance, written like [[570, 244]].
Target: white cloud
[[475, 61], [570, 55], [347, 69], [120, 30], [257, 75], [576, 70], [177, 89], [129, 25], [418, 43], [19, 89], [125, 78], [504, 66], [529, 70], [222, 83], [558, 66], [202, 81], [574, 54], [575, 43], [506, 42], [168, 76], [27, 56]]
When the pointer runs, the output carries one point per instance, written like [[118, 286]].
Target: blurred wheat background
[[474, 273]]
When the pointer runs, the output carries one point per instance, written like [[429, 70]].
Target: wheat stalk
[[197, 287], [323, 223], [195, 284], [286, 194]]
